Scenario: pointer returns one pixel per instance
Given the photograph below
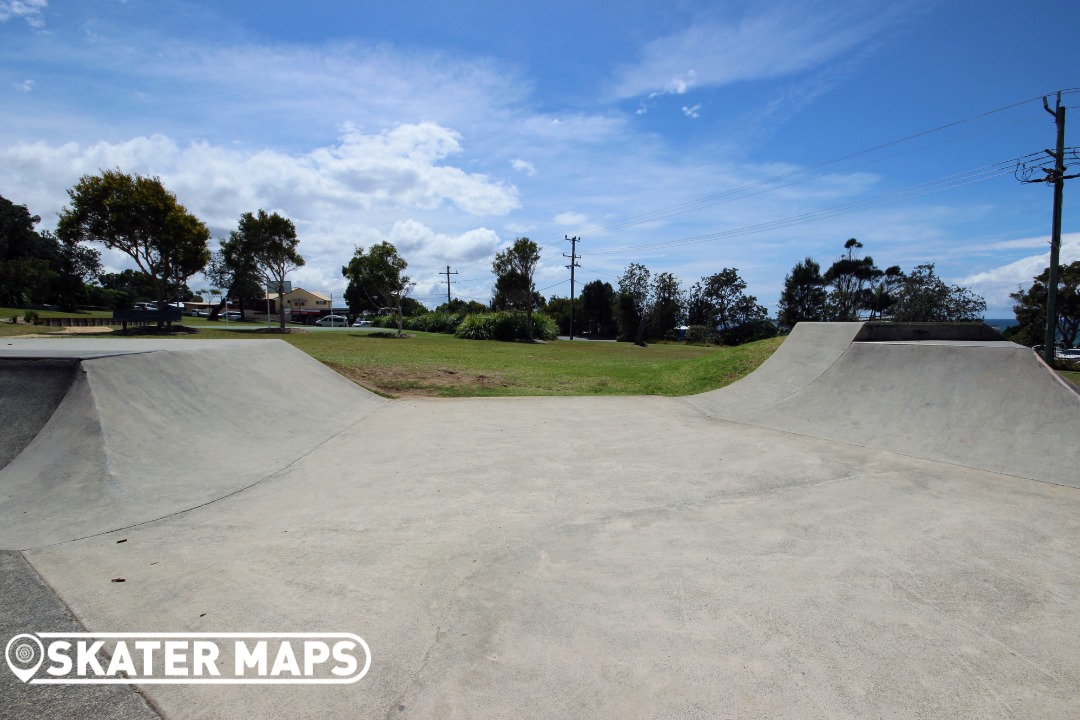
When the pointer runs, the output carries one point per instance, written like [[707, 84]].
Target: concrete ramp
[[145, 431], [808, 352], [990, 405], [30, 390]]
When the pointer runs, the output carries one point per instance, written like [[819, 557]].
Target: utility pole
[[574, 257], [1057, 177], [448, 274]]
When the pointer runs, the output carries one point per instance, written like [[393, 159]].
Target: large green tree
[[596, 309], [1030, 308], [139, 217], [803, 297], [270, 241], [633, 303], [38, 268], [668, 306], [850, 278], [513, 269], [558, 309], [234, 267], [924, 297], [377, 280], [719, 301]]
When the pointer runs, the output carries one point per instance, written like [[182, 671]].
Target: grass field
[[435, 364]]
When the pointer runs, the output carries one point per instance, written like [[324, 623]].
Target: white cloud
[[691, 112], [423, 245], [400, 168], [339, 196], [779, 38], [996, 284], [570, 218], [31, 11], [523, 166], [25, 86]]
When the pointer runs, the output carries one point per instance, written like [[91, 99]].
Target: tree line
[[139, 217]]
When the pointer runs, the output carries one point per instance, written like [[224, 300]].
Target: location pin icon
[[24, 655]]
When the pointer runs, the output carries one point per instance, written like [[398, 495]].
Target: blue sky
[[655, 131]]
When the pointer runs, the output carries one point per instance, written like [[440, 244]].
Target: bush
[[436, 322], [30, 316], [478, 326], [507, 325], [386, 321], [701, 335]]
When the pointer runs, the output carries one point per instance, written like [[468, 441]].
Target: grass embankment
[[435, 364], [431, 364]]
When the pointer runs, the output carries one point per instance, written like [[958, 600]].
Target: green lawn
[[435, 364], [16, 312]]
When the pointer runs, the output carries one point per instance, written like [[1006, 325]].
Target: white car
[[362, 323], [333, 321]]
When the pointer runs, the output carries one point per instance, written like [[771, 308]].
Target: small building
[[302, 306]]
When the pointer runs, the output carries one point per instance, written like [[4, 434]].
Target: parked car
[[362, 323], [333, 321], [231, 315], [200, 313]]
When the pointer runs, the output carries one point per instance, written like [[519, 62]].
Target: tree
[[1030, 308], [718, 302], [633, 303], [37, 268], [558, 309], [883, 291], [139, 217], [803, 297], [596, 309], [235, 267], [271, 241], [462, 307], [850, 277], [668, 306], [377, 277], [924, 297], [513, 269]]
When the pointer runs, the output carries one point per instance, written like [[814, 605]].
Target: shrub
[[30, 316], [477, 326], [386, 321], [701, 335], [436, 322], [506, 325]]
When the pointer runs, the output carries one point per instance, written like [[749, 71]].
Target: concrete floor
[[596, 557]]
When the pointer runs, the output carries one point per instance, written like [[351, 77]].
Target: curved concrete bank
[[30, 390], [991, 405], [147, 429], [624, 557]]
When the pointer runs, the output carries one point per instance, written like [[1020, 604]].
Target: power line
[[945, 183], [688, 206]]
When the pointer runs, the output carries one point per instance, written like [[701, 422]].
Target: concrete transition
[[882, 521]]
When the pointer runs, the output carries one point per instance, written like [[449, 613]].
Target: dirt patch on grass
[[87, 330], [420, 382]]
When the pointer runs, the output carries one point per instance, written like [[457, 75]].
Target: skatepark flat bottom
[[631, 557]]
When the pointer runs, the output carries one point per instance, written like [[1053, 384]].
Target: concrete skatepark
[[874, 524]]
